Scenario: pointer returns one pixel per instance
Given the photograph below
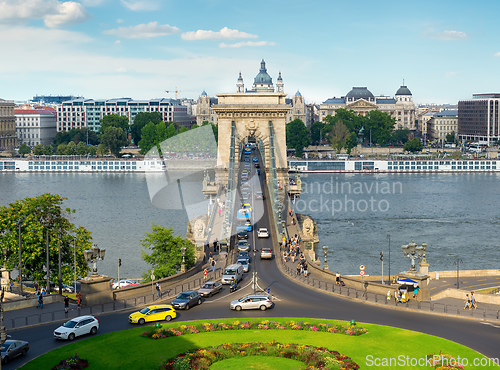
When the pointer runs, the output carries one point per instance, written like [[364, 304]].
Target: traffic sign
[[362, 267], [362, 273]]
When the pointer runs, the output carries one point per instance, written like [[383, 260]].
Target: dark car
[[256, 165], [244, 254], [243, 245], [186, 300], [210, 288], [242, 234], [13, 348]]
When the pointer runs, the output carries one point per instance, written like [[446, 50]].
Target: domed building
[[204, 111], [362, 101]]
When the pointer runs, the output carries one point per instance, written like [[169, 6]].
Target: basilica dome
[[403, 90], [263, 77], [359, 93]]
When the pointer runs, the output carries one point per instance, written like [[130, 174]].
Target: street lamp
[[19, 224], [93, 255], [413, 251], [325, 252], [183, 264], [457, 263]]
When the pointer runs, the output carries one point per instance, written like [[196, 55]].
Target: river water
[[455, 214]]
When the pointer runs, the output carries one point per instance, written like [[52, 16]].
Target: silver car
[[243, 262], [210, 288], [252, 302]]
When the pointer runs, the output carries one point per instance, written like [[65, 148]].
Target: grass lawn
[[258, 363], [128, 349]]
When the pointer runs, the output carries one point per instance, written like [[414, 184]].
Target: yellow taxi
[[247, 206], [153, 313]]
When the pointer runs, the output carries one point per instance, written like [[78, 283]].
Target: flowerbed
[[72, 363], [347, 329], [444, 362], [312, 357]]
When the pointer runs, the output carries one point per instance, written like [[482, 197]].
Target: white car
[[80, 325], [263, 233], [123, 283]]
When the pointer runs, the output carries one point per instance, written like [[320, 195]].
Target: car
[[245, 187], [157, 312], [266, 253], [263, 233], [13, 348], [76, 327], [255, 159], [243, 255], [256, 165], [245, 172], [244, 177], [210, 288], [243, 245], [259, 195], [247, 206], [186, 300], [243, 262], [123, 283], [243, 214], [130, 285], [68, 288], [242, 234], [252, 301]]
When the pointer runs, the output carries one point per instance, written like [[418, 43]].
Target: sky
[[444, 50]]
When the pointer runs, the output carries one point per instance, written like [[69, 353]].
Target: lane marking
[[490, 324]]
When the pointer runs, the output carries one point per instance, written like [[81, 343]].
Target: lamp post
[[59, 260], [389, 238], [93, 255], [183, 264], [413, 251], [458, 262], [325, 252], [19, 224], [74, 258]]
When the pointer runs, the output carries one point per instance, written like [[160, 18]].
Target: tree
[[24, 149], [338, 136], [381, 125], [61, 149], [38, 149], [400, 135], [413, 145], [166, 256], [297, 136], [48, 150], [37, 215], [71, 148], [316, 134], [141, 120], [91, 150], [114, 138], [76, 135], [81, 148], [148, 137], [450, 138], [183, 129], [102, 150], [114, 120]]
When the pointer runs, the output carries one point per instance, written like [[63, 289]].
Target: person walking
[[66, 304], [205, 275], [213, 265], [299, 268], [79, 300], [158, 290], [43, 291], [305, 269], [473, 303], [467, 302], [337, 278], [11, 284], [40, 301], [36, 287]]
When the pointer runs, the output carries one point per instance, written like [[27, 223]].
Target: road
[[291, 300]]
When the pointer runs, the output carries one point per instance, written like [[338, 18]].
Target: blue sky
[[444, 50]]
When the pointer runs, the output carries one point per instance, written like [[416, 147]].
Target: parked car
[[186, 300], [252, 302], [243, 245], [263, 233], [130, 285], [243, 262], [80, 325], [157, 312], [266, 253], [123, 283], [68, 288], [242, 234], [13, 348], [210, 288]]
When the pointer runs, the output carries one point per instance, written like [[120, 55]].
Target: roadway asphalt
[[291, 300]]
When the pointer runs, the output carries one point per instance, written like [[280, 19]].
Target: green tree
[[81, 148], [171, 131], [92, 150], [37, 216], [381, 125], [114, 138], [413, 145], [297, 136], [450, 138], [400, 135], [148, 137], [102, 150], [166, 254], [183, 129], [24, 149], [61, 149], [338, 136], [71, 148], [38, 149], [76, 135], [316, 133], [114, 120], [141, 120], [48, 150]]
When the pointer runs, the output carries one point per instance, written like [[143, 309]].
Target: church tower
[[280, 87], [240, 86], [263, 82]]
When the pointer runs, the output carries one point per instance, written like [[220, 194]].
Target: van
[[232, 271]]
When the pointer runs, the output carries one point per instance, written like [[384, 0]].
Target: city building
[[8, 140], [362, 101], [80, 113], [478, 119], [299, 109], [442, 124], [53, 99], [35, 126], [204, 111]]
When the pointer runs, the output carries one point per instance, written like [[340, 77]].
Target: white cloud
[[223, 34], [118, 42], [247, 43], [451, 35], [121, 70], [54, 13], [138, 5], [119, 20], [450, 74], [143, 31], [497, 54], [91, 2]]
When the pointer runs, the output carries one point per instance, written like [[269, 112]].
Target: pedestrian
[[220, 212], [11, 284], [158, 290], [396, 297], [467, 302], [298, 269], [43, 291], [473, 301], [205, 275], [290, 212], [40, 301], [79, 300], [305, 269], [337, 278], [389, 295], [66, 304], [213, 265], [36, 287]]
